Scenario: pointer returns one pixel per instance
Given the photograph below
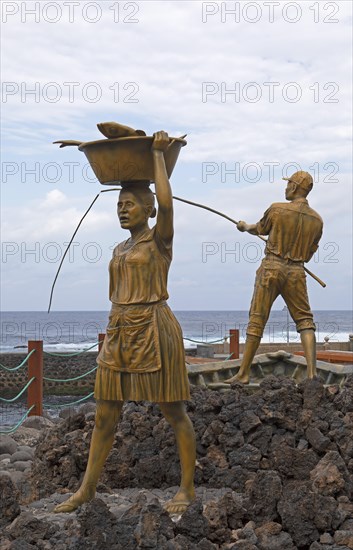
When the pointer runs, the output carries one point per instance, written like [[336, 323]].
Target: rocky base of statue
[[135, 518], [274, 471]]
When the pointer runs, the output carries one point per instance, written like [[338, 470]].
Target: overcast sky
[[259, 87]]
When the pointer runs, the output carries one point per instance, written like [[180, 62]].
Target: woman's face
[[131, 212]]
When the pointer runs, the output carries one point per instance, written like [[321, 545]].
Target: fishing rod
[[175, 198], [236, 223]]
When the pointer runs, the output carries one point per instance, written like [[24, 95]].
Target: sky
[[261, 88]]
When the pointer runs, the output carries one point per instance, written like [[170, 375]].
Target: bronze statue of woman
[[142, 357]]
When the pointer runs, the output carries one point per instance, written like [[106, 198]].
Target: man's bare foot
[[179, 503], [74, 502], [239, 377]]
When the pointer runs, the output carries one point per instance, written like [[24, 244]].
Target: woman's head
[[135, 205]]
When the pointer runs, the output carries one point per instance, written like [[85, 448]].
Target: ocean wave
[[190, 342], [72, 346]]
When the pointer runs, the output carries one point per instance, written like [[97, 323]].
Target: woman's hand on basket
[[160, 142]]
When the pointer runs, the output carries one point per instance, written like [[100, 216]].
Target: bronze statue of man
[[294, 231]]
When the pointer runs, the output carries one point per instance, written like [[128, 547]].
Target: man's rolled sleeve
[[263, 227]]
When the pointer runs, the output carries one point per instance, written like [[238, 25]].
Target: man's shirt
[[293, 228]]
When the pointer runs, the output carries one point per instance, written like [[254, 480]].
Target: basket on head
[[128, 159]]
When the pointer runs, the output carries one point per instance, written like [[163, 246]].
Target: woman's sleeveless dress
[[142, 357]]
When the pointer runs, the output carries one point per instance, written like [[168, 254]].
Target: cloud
[[152, 74], [54, 216]]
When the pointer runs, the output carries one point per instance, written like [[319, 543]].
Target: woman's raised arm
[[162, 185]]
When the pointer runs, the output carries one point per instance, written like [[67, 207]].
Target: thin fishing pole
[[178, 199], [235, 222]]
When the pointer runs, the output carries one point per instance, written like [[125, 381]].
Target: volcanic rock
[[287, 450], [9, 506]]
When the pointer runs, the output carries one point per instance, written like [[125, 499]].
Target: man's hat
[[303, 179]]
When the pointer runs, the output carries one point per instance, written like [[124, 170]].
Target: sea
[[72, 331]]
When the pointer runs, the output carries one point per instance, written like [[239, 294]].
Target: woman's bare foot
[[74, 502], [239, 377], [179, 503]]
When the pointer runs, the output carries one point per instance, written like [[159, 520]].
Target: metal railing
[[34, 386], [36, 379]]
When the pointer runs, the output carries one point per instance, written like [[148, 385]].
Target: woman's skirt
[[142, 358]]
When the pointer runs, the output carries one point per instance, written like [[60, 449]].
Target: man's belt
[[272, 256]]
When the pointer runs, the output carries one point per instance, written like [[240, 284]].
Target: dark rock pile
[[283, 457], [214, 520]]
